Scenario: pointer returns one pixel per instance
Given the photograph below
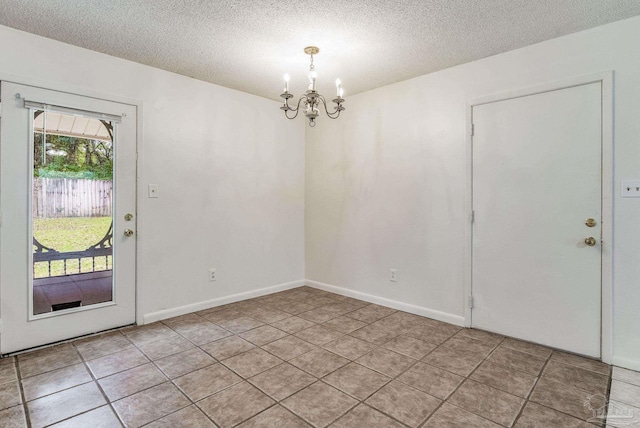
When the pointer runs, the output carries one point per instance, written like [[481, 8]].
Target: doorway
[[68, 182], [538, 164]]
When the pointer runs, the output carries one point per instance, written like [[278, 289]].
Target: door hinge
[[473, 129], [471, 302], [473, 216]]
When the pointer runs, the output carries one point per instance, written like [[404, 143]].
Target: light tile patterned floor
[[305, 357]]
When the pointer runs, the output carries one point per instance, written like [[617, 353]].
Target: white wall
[[230, 171], [385, 184]]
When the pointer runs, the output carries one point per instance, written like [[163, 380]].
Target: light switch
[[153, 190], [631, 188]]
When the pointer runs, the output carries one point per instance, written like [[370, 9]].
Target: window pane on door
[[72, 205]]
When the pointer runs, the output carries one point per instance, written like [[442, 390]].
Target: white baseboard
[[626, 363], [199, 306], [406, 307]]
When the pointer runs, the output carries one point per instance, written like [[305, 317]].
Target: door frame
[[91, 93], [606, 79]]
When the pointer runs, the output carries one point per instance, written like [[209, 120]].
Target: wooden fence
[[71, 197]]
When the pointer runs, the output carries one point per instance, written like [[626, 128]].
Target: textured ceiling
[[249, 45]]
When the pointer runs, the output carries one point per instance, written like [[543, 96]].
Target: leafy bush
[[70, 157], [52, 173]]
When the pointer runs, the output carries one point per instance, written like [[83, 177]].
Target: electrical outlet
[[394, 275], [212, 275], [631, 189]]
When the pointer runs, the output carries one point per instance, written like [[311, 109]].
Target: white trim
[[626, 363], [193, 307], [606, 79], [66, 311], [544, 87], [468, 226], [138, 207], [30, 268], [51, 108], [395, 304], [66, 88]]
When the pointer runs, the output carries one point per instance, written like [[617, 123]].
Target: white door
[[67, 181], [537, 167]]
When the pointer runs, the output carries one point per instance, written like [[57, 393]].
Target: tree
[[63, 156]]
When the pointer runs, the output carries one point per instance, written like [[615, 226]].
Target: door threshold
[[73, 339]]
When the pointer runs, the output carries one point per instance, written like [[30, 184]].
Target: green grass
[[70, 234]]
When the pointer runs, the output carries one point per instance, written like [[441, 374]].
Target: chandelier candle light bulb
[[311, 99], [286, 82], [313, 75]]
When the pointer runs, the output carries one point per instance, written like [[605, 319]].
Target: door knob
[[590, 241], [129, 232]]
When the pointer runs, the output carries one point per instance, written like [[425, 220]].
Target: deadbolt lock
[[590, 222], [128, 232], [129, 217], [590, 241]]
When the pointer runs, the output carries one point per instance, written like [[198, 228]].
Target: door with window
[[68, 199], [537, 200]]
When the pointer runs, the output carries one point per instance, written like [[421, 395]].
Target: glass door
[[68, 180]]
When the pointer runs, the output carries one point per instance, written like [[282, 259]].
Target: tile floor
[[305, 357]]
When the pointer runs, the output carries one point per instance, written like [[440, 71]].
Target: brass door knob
[[128, 232], [590, 241]]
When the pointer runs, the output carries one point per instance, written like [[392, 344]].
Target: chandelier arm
[[334, 114], [292, 117], [287, 107], [297, 109]]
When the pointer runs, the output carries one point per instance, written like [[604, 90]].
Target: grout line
[[391, 379], [535, 383], [95, 380], [330, 386], [109, 402], [465, 378], [528, 399], [16, 366], [167, 380], [608, 394], [393, 418]]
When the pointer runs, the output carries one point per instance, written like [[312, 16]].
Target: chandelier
[[311, 99]]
